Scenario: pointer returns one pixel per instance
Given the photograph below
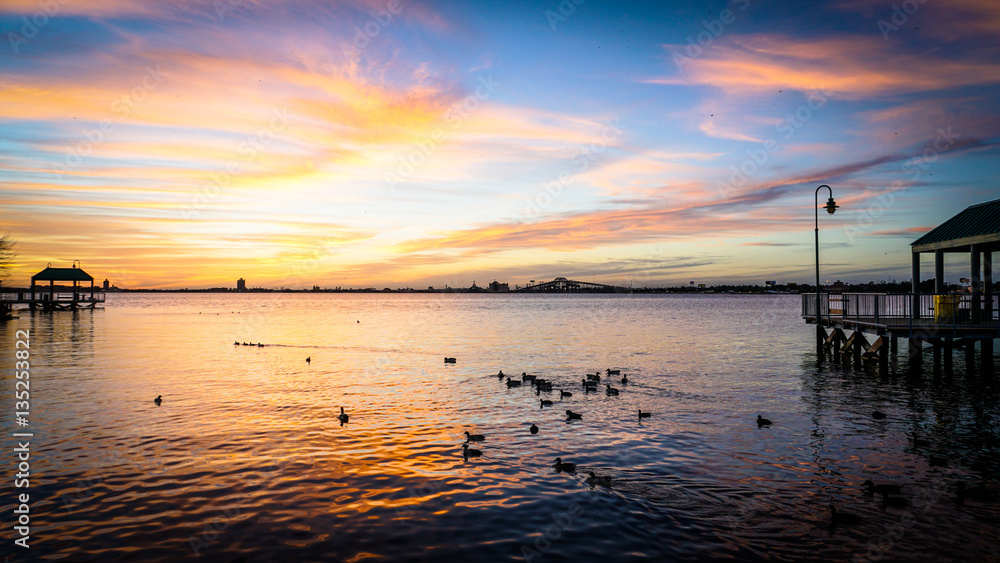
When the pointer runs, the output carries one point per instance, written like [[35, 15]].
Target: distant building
[[497, 286], [241, 284], [107, 284]]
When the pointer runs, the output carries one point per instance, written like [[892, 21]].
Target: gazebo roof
[[976, 224], [62, 274]]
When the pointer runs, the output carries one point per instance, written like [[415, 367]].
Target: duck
[[761, 421], [589, 383], [570, 415], [871, 488], [644, 414], [560, 465], [450, 360], [513, 383], [614, 371], [611, 390], [595, 377], [845, 518], [895, 502], [343, 416], [158, 400], [603, 480], [878, 415], [309, 360], [540, 388], [563, 394], [938, 461], [236, 343], [474, 437], [244, 343], [544, 403], [533, 428], [470, 452], [526, 377], [500, 375], [625, 379], [975, 493], [259, 345]]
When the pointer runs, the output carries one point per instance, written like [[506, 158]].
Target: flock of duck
[[589, 383], [888, 492]]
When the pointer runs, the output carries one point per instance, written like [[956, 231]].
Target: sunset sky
[[409, 143]]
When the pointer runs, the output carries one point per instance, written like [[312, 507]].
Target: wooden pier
[[51, 299], [944, 321]]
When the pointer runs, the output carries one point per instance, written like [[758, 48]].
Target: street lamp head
[[831, 206]]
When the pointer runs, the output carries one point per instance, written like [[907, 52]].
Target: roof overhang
[[990, 242]]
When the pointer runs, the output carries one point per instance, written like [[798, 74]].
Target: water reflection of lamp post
[[831, 207]]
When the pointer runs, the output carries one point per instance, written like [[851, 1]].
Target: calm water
[[245, 459]]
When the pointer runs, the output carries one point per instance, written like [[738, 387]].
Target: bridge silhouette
[[563, 285]]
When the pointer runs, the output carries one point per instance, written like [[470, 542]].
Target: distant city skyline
[[413, 144]]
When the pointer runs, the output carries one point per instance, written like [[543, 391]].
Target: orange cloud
[[845, 67]]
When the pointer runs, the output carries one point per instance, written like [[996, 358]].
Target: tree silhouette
[[7, 254]]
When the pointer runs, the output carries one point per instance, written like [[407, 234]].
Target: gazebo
[[52, 275], [976, 231]]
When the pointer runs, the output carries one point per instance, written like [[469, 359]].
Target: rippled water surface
[[245, 459]]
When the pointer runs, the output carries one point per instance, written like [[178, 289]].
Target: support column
[[915, 277], [939, 272], [988, 289], [976, 277]]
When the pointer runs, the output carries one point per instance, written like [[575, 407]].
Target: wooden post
[[914, 349], [915, 284], [988, 289], [974, 264], [939, 272]]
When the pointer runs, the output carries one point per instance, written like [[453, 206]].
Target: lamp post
[[831, 207]]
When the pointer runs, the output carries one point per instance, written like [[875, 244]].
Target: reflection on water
[[245, 458]]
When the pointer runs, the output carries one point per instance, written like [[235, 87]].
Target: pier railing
[[61, 297], [884, 309]]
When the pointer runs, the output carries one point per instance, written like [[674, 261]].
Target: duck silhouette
[[978, 493], [871, 488], [533, 429], [845, 518], [560, 465], [343, 416], [570, 415], [762, 422], [602, 480], [563, 394], [513, 383], [309, 360], [625, 379], [544, 403], [474, 437], [611, 390], [158, 400], [644, 414]]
